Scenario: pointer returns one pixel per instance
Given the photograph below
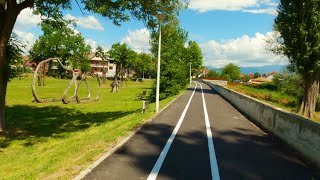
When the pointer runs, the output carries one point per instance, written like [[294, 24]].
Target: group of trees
[[127, 59], [117, 11], [290, 82], [175, 57], [230, 72], [297, 22], [298, 25], [58, 40]]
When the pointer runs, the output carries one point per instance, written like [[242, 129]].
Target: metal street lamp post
[[190, 74], [160, 19]]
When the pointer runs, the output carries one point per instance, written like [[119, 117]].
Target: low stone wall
[[218, 82], [300, 133]]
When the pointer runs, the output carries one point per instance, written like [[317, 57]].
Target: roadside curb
[[85, 172]]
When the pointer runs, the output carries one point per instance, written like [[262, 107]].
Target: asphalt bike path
[[136, 158], [244, 151], [201, 136]]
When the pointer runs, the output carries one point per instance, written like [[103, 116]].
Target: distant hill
[[259, 69]]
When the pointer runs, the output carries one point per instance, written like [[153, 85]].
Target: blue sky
[[228, 31]]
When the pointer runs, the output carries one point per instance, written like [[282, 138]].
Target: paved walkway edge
[[83, 173]]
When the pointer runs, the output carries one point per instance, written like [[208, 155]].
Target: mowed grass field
[[55, 140]]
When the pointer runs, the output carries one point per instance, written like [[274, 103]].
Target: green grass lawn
[[55, 140], [274, 98]]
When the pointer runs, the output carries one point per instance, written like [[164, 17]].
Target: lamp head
[[160, 17]]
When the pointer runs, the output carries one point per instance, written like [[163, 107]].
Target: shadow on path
[[240, 154]]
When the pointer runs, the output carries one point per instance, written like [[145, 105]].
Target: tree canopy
[[62, 42], [117, 11], [231, 72], [144, 65], [256, 75], [104, 56], [214, 74], [16, 64], [122, 55], [174, 65], [194, 54]]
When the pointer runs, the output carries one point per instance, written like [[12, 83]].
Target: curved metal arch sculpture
[[75, 74]]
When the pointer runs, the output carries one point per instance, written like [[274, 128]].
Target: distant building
[[28, 64], [97, 65], [259, 80], [270, 76], [250, 75], [204, 72]]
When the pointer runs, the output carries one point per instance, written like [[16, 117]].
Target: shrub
[[269, 86], [167, 88]]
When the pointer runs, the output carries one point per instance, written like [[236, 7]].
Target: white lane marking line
[[156, 168], [213, 160]]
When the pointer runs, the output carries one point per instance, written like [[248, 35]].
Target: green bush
[[269, 85], [167, 88]]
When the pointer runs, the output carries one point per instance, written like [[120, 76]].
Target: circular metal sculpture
[[40, 74]]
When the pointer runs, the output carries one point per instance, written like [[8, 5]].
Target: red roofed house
[[204, 72], [30, 65]]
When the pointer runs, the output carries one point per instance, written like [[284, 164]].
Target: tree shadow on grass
[[35, 124]]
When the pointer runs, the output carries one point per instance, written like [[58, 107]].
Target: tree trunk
[[3, 85], [311, 92], [5, 32], [8, 17], [104, 76]]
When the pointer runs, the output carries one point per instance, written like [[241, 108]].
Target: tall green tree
[[16, 64], [104, 56], [174, 66], [60, 41], [115, 10], [298, 23], [144, 65], [231, 72], [245, 78], [194, 55], [122, 55], [213, 74], [256, 75]]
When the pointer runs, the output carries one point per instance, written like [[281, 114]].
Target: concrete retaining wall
[[302, 134], [218, 82]]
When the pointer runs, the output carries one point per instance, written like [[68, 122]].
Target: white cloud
[[89, 22], [26, 38], [244, 51], [138, 40], [270, 11], [91, 43], [73, 29], [251, 6], [27, 19]]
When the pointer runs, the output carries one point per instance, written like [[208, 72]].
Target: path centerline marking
[[156, 168], [212, 155]]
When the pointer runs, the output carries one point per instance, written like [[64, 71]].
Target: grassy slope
[[275, 98], [54, 140]]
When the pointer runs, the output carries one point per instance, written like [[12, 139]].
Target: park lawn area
[[55, 140], [275, 98]]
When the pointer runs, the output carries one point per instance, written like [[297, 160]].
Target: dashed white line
[[156, 168], [212, 155]]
